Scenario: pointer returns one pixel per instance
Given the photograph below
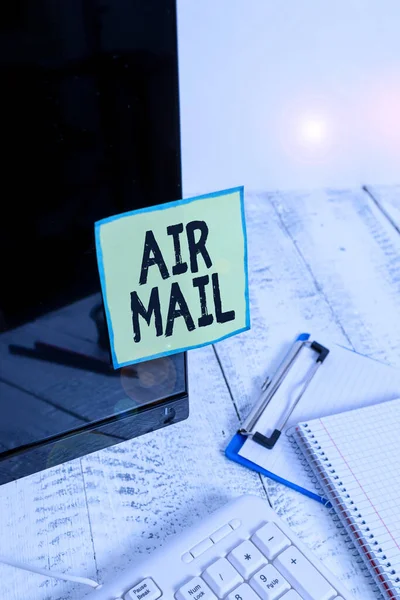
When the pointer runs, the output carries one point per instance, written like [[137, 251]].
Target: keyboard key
[[187, 557], [222, 577], [145, 589], [235, 523], [194, 590], [269, 583], [246, 558], [201, 547], [243, 592], [303, 576], [292, 595], [220, 533], [270, 540]]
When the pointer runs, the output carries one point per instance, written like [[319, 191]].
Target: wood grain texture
[[325, 262], [353, 253], [285, 301], [44, 522], [387, 198], [161, 483], [131, 497]]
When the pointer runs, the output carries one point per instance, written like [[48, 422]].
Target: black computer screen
[[89, 118], [89, 128]]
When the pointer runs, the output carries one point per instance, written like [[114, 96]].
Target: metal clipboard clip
[[271, 386]]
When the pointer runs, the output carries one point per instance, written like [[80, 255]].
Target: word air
[[162, 318]]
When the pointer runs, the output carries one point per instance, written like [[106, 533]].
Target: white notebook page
[[344, 381], [362, 459]]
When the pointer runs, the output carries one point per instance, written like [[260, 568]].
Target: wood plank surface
[[353, 253], [327, 263], [387, 198], [132, 496], [44, 522], [323, 262], [163, 482]]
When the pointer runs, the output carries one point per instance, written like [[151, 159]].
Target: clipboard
[[235, 445], [271, 386], [232, 452], [345, 381]]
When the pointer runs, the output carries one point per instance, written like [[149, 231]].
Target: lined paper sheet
[[345, 380], [363, 448]]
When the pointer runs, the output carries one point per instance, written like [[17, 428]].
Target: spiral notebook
[[355, 458], [345, 381]]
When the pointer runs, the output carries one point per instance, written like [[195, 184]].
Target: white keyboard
[[241, 552]]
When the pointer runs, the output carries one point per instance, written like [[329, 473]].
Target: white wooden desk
[[324, 262]]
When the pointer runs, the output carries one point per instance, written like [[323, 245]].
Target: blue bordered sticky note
[[174, 276]]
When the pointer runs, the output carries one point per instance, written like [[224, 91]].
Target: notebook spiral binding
[[369, 555]]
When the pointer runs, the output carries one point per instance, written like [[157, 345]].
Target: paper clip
[[271, 386]]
